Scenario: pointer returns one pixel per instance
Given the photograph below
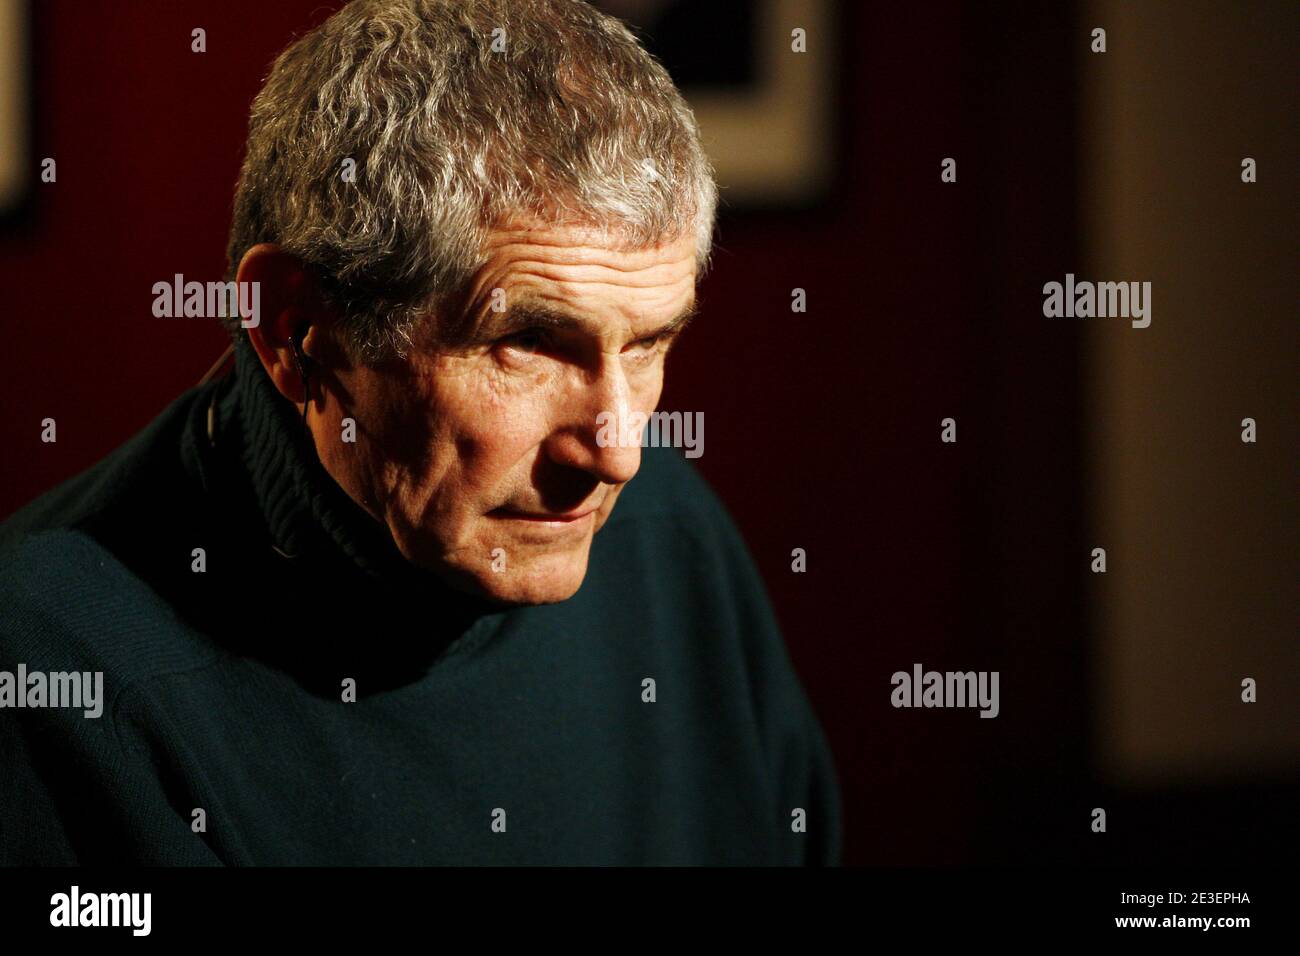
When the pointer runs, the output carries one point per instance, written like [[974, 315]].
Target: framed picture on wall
[[760, 76], [15, 105]]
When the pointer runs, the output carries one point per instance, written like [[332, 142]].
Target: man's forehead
[[571, 276], [530, 311], [577, 245]]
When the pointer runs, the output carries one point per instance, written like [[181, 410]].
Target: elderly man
[[382, 595]]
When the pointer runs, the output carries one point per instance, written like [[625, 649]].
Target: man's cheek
[[488, 457], [497, 443]]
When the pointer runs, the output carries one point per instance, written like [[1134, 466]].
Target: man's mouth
[[542, 517]]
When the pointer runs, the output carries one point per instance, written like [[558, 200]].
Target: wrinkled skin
[[481, 457]]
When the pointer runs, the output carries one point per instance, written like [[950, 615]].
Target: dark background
[[823, 428]]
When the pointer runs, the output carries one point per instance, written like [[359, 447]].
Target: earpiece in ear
[[300, 358], [303, 363]]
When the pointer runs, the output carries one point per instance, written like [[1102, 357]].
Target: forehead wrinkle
[[656, 274], [562, 247], [538, 308], [557, 271], [540, 281], [531, 284], [566, 251]]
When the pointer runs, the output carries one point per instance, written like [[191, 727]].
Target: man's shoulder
[[70, 579], [146, 466], [63, 574], [71, 604]]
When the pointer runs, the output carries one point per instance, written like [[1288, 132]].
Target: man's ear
[[290, 304]]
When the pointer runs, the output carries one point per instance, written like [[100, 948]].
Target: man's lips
[[567, 517]]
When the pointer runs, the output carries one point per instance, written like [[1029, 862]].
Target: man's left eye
[[647, 345], [530, 340]]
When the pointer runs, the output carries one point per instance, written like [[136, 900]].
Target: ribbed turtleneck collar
[[309, 518], [306, 512]]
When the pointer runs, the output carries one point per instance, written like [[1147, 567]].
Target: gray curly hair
[[459, 115]]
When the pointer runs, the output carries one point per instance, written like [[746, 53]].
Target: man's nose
[[592, 436]]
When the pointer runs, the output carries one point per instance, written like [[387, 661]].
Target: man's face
[[482, 457]]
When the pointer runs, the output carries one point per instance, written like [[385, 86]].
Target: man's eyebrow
[[679, 322], [530, 315]]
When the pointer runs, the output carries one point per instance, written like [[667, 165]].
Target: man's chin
[[551, 590], [543, 579]]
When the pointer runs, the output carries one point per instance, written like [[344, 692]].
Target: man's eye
[[529, 340], [644, 349]]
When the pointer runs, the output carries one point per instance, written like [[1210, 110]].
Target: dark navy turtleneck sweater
[[477, 735]]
